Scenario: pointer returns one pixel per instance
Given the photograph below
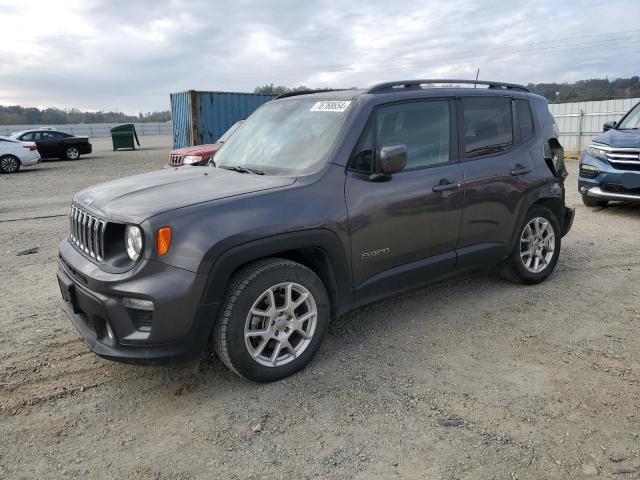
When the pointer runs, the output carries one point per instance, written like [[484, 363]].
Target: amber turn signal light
[[164, 240]]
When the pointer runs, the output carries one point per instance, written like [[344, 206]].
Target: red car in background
[[199, 155]]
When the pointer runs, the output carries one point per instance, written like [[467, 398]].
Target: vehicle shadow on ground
[[347, 334], [622, 209]]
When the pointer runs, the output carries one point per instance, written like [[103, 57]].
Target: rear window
[[28, 137], [525, 119], [487, 125]]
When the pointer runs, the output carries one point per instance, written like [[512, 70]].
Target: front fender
[[223, 260]]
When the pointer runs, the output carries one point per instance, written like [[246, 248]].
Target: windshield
[[631, 121], [225, 136], [287, 137]]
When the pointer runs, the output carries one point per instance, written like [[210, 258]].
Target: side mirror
[[392, 159], [609, 126]]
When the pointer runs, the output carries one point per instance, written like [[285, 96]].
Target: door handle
[[519, 170], [445, 187]]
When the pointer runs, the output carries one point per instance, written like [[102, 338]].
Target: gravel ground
[[470, 378]]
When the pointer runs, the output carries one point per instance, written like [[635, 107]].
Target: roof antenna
[[477, 73]]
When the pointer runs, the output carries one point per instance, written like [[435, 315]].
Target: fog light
[[140, 312], [589, 171]]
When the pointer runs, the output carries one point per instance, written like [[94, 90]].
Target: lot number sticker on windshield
[[330, 106]]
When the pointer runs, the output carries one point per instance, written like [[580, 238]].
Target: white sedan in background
[[15, 154]]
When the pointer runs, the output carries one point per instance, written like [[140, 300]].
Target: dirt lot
[[471, 378]]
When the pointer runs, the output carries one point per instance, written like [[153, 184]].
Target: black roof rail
[[380, 87], [307, 92]]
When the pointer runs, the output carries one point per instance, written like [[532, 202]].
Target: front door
[[404, 229], [50, 144]]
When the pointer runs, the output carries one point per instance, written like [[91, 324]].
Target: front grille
[[87, 233], [624, 158], [175, 160]]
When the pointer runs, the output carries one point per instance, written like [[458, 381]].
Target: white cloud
[[129, 55]]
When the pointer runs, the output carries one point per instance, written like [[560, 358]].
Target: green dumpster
[[123, 136]]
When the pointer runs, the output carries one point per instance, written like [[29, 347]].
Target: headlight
[[133, 241], [191, 159], [597, 151]]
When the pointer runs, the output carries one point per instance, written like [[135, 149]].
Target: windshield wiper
[[239, 169]]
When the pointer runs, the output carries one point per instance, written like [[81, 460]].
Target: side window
[[525, 119], [362, 159], [423, 126], [487, 125]]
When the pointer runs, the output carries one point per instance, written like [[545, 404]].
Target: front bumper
[[567, 223], [177, 329], [597, 192], [610, 183]]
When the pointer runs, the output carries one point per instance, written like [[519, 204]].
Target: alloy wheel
[[537, 244], [72, 153], [9, 164], [280, 324]]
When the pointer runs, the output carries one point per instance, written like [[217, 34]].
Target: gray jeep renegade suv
[[321, 203]]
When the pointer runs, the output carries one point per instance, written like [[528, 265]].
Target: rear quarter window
[[525, 119]]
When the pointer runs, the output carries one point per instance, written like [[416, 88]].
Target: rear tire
[[9, 164], [537, 248], [72, 153], [593, 202], [273, 319]]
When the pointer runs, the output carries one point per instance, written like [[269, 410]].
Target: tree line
[[580, 91], [17, 115]]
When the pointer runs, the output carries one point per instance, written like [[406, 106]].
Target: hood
[[197, 150], [136, 198], [620, 138]]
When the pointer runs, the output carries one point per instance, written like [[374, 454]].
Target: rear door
[[405, 229], [496, 171]]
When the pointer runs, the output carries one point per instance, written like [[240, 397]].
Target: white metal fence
[[581, 121], [94, 130]]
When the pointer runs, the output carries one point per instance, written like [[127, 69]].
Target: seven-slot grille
[[87, 233], [175, 159]]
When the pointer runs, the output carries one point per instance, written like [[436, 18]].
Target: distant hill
[[588, 90], [17, 115]]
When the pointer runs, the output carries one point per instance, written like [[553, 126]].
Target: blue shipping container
[[202, 117]]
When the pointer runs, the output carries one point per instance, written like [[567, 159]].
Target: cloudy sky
[[130, 54]]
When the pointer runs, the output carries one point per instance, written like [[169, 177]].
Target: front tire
[[9, 164], [593, 202], [273, 320], [72, 153], [536, 252]]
